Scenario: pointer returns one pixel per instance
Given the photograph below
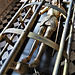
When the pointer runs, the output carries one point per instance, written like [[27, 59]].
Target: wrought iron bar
[[66, 65], [62, 43]]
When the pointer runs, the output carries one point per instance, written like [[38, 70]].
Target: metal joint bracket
[[44, 40]]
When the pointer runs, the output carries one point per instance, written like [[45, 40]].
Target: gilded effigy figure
[[47, 26]]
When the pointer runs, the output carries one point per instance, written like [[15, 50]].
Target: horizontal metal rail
[[44, 40]]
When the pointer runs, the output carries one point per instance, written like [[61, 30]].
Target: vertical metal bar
[[20, 41], [62, 43], [65, 71], [68, 53]]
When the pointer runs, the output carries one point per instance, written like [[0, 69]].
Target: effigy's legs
[[48, 34], [35, 45]]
